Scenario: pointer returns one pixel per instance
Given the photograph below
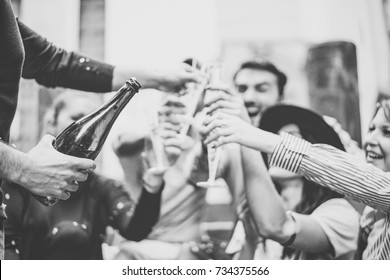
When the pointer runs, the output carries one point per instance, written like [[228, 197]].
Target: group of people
[[290, 179], [44, 171]]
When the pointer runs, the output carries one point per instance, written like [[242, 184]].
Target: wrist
[[268, 141], [291, 229], [253, 138], [152, 184], [23, 170], [12, 164], [149, 78], [245, 116]]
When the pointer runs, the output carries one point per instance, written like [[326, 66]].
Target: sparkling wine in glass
[[213, 153], [154, 149], [192, 95]]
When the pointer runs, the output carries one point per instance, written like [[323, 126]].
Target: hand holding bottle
[[48, 172], [84, 138]]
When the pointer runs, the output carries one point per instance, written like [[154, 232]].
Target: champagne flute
[[171, 112], [178, 108], [193, 95], [154, 147], [213, 153]]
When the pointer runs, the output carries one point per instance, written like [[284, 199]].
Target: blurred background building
[[335, 52]]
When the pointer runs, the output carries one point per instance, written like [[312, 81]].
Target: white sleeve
[[340, 223], [334, 169]]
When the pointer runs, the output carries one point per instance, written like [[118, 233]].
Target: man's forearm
[[10, 162], [264, 202], [146, 79]]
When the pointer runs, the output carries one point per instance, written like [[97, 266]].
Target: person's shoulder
[[336, 202], [336, 207], [340, 222]]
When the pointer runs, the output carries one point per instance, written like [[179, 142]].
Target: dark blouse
[[75, 228]]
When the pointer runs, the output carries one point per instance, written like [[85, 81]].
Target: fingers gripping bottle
[[85, 137]]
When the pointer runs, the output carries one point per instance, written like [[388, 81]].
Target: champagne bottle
[[85, 137]]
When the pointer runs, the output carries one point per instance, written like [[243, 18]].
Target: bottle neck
[[123, 96]]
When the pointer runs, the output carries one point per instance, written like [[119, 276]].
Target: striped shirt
[[342, 173]]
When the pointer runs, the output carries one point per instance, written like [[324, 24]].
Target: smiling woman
[[331, 168], [377, 144], [313, 209]]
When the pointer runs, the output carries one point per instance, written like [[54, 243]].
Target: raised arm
[[52, 66], [135, 220], [320, 163], [302, 232], [166, 80], [336, 170]]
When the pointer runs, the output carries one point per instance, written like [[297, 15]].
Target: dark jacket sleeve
[[145, 216], [133, 220], [52, 66]]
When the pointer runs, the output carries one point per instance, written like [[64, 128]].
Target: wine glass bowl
[[213, 152], [154, 154]]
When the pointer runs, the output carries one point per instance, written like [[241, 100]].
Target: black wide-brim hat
[[275, 117]]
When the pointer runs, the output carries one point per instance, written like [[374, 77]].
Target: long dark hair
[[313, 195]]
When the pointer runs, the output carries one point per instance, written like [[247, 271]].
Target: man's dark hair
[[265, 66]]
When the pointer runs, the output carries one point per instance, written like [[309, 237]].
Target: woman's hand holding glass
[[167, 126], [219, 99], [175, 143], [192, 95], [152, 178], [182, 151], [177, 146], [221, 128], [227, 102]]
